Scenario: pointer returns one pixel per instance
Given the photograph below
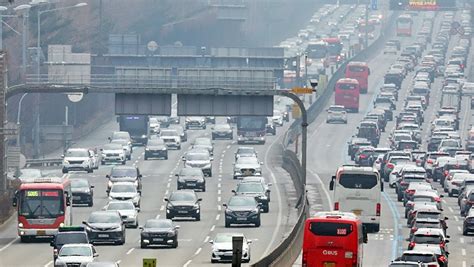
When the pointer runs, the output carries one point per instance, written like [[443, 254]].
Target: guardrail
[[43, 162], [289, 249]]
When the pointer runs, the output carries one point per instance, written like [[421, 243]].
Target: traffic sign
[[75, 97], [302, 90], [374, 5], [150, 262]]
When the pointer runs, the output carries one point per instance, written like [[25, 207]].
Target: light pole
[[18, 140], [24, 9], [2, 9]]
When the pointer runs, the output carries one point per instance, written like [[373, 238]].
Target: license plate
[[241, 219], [182, 211], [247, 172], [103, 235], [191, 184], [76, 198], [158, 239], [357, 212], [329, 264], [41, 232]]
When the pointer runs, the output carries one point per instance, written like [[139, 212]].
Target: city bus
[[404, 25], [251, 129], [317, 52], [358, 190], [359, 71], [43, 205], [333, 239], [334, 48], [347, 93]]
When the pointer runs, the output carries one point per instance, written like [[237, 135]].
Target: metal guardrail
[[43, 162]]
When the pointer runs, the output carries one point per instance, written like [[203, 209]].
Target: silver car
[[199, 158], [171, 138], [77, 159], [113, 153], [222, 248], [247, 166], [205, 143], [127, 147], [336, 114], [125, 208], [125, 191]]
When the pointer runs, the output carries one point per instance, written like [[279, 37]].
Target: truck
[[450, 98], [137, 126]]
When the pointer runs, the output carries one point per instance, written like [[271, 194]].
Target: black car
[[68, 235], [270, 128], [159, 232], [82, 192], [468, 225], [183, 203], [394, 77], [242, 210], [106, 227], [156, 148], [191, 178], [355, 144], [222, 131], [256, 190], [124, 174]]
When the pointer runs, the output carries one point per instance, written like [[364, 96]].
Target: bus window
[[358, 181], [330, 229]]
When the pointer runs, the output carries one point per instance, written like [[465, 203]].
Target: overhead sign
[[374, 5], [423, 4], [302, 90], [75, 97]]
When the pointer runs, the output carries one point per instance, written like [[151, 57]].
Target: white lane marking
[[463, 252], [220, 176], [167, 191], [48, 264], [326, 192], [213, 227], [118, 262], [450, 209], [223, 151], [170, 176], [169, 180], [218, 216], [219, 192], [219, 208], [168, 185], [464, 264], [459, 228], [456, 218], [187, 263], [228, 146], [162, 207], [8, 244], [219, 185], [130, 251], [219, 199], [157, 216], [206, 239], [220, 179], [444, 201], [461, 240], [197, 251]]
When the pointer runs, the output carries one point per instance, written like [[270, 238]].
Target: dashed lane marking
[[130, 251], [187, 263], [212, 228], [218, 216], [206, 239], [197, 251]]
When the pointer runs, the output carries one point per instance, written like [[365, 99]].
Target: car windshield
[[247, 160], [155, 142], [224, 238], [222, 127], [336, 109], [104, 217], [422, 199], [125, 205], [75, 251], [243, 151], [419, 258], [77, 153], [197, 156], [123, 188], [168, 133], [79, 183], [450, 143], [158, 224], [41, 203], [427, 239], [182, 196], [242, 201], [428, 215], [70, 238], [122, 142], [125, 172], [190, 172], [112, 146], [250, 188]]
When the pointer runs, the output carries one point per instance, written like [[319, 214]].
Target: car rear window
[[330, 229], [71, 238]]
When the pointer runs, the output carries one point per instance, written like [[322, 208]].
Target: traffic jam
[[414, 146]]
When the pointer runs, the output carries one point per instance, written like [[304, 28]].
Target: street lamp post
[[2, 9], [25, 9], [18, 115]]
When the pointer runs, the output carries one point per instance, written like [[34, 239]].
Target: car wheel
[[204, 189], [143, 245], [90, 170], [102, 163], [214, 261], [179, 147], [204, 127], [135, 225], [266, 208], [213, 138], [168, 216], [123, 162], [175, 243], [198, 217], [91, 203], [166, 157], [399, 197], [257, 223], [464, 232], [450, 194], [65, 170], [227, 224], [25, 239], [145, 158]]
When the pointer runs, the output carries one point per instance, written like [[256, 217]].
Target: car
[[77, 159], [415, 186], [426, 223], [428, 196], [222, 131], [199, 158], [428, 236], [164, 121], [156, 148], [124, 174], [247, 166], [105, 226], [222, 247], [125, 208], [127, 147], [257, 190], [452, 184], [440, 253], [102, 264], [336, 114], [204, 143], [191, 178], [258, 179], [390, 49], [277, 118], [183, 203], [468, 224], [82, 192], [242, 210], [426, 257], [95, 158], [467, 201], [113, 153], [171, 138], [154, 125], [68, 235], [125, 191], [159, 232], [120, 135], [77, 254], [245, 151], [195, 122], [181, 131]]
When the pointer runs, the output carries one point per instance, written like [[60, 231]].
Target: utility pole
[[100, 28], [366, 41]]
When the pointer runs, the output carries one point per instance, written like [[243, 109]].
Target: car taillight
[[442, 245], [403, 183], [437, 199], [411, 245], [414, 229], [470, 202], [362, 156], [336, 205], [410, 204], [430, 161], [377, 161], [442, 258], [432, 265], [385, 161], [378, 207], [390, 166], [410, 191], [55, 252]]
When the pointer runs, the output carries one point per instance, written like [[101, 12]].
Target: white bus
[[358, 190]]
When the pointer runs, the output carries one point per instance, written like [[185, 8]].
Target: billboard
[[423, 4]]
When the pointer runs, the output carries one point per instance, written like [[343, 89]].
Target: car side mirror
[[176, 174], [124, 217], [269, 184], [224, 205], [62, 156], [183, 158], [331, 184], [141, 227], [446, 218], [166, 199], [137, 209], [261, 162], [107, 176], [446, 241], [199, 199], [109, 138], [140, 176], [211, 241], [211, 158], [233, 191], [365, 236], [381, 187], [249, 241], [96, 255], [15, 201], [92, 186]]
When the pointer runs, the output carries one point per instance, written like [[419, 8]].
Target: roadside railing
[[43, 162]]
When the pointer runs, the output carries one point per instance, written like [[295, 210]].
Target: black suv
[[256, 190], [191, 178], [183, 203], [82, 192], [106, 226], [68, 235], [242, 210]]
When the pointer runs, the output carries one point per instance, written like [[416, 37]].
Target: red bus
[[404, 25], [359, 71], [43, 205], [334, 49], [333, 239], [346, 93]]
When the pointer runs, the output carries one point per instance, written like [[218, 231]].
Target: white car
[[453, 185], [390, 50], [247, 166], [77, 159], [336, 114], [277, 118], [78, 254], [113, 153], [126, 145], [154, 125], [125, 191], [222, 248], [125, 208], [172, 138]]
